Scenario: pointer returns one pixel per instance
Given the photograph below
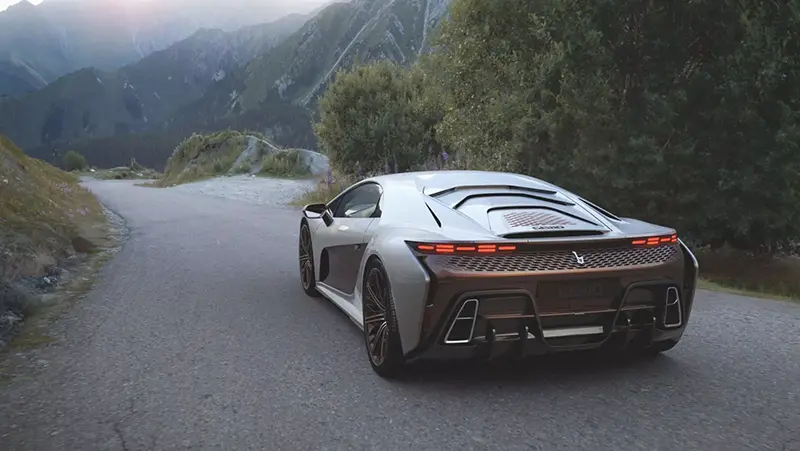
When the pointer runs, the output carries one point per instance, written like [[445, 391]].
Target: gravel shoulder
[[264, 191]]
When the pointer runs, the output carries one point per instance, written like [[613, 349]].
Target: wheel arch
[[408, 281]]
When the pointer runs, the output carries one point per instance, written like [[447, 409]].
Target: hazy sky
[[6, 3]]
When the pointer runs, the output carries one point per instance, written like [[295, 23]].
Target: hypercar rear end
[[489, 300]]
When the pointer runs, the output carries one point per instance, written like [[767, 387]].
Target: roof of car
[[429, 182]]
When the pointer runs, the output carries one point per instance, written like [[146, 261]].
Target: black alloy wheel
[[381, 333], [306, 257]]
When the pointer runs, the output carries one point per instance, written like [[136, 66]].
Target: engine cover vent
[[537, 220]]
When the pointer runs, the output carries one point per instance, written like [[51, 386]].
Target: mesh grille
[[531, 219], [563, 260]]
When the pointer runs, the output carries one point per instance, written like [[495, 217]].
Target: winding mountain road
[[197, 335]]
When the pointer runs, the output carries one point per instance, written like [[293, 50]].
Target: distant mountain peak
[[39, 44], [23, 5]]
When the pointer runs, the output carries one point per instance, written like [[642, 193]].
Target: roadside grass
[[741, 273], [324, 190], [285, 164], [242, 169], [705, 284], [44, 212], [201, 157]]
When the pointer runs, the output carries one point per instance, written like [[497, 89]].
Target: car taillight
[[655, 240], [461, 248]]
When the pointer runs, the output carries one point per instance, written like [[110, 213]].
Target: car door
[[346, 238]]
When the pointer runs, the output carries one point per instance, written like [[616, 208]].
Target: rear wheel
[[381, 334], [306, 258]]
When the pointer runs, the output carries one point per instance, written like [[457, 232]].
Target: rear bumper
[[529, 334], [486, 316]]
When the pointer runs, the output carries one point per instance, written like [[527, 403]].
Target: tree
[[682, 113], [376, 118], [73, 161]]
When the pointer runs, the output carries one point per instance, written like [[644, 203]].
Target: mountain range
[[39, 43], [264, 78]]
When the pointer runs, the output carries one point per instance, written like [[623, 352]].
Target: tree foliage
[[680, 113], [683, 113], [376, 118], [73, 161]]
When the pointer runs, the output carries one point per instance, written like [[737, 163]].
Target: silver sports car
[[473, 264]]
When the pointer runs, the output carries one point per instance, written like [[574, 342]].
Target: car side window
[[361, 202]]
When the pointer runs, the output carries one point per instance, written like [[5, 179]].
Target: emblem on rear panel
[[578, 258]]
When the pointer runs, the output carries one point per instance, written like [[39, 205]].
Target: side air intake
[[673, 316], [463, 326]]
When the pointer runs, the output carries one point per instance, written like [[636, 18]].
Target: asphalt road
[[197, 336]]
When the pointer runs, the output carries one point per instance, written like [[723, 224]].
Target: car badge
[[578, 258]]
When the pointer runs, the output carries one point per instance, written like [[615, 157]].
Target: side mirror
[[318, 211]]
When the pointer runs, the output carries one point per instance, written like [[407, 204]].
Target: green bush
[[287, 163], [243, 168], [73, 161], [376, 118]]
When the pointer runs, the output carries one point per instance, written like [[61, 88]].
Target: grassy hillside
[[230, 153], [45, 214], [46, 217], [203, 156]]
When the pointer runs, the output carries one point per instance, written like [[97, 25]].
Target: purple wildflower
[[329, 177]]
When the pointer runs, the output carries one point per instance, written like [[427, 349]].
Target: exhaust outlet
[[463, 326], [673, 312]]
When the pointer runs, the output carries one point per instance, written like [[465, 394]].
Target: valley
[[41, 43], [263, 77]]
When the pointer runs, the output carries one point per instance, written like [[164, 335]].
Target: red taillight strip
[[443, 248], [492, 248], [655, 240]]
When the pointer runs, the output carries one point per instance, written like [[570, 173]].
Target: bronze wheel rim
[[306, 258], [376, 327]]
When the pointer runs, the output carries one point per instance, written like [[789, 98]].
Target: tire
[[383, 347], [305, 256]]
